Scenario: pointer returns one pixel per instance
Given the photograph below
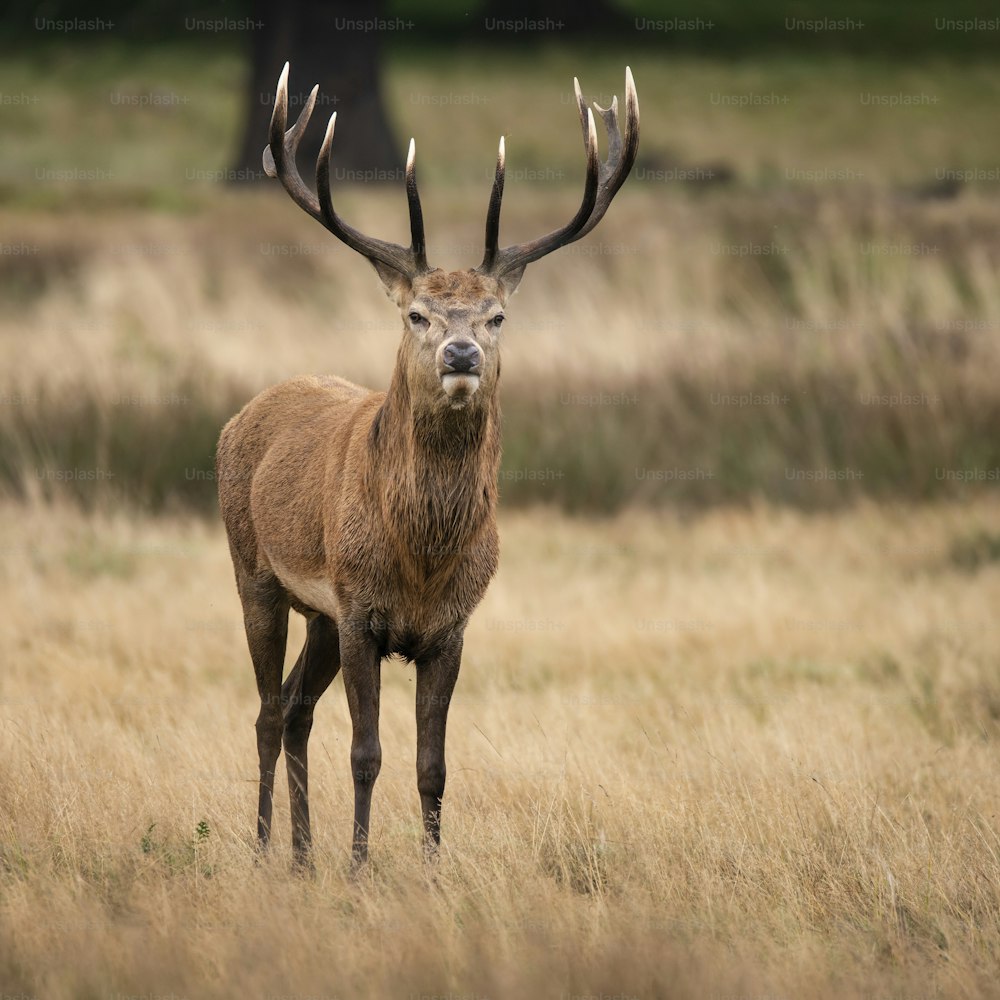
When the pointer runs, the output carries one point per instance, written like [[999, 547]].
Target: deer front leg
[[361, 665], [435, 683]]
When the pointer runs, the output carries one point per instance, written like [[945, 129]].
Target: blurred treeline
[[715, 27]]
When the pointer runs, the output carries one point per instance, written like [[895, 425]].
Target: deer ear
[[508, 282], [395, 283]]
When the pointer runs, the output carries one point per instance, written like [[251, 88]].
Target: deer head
[[449, 353]]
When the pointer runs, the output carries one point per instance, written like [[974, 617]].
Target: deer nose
[[462, 356]]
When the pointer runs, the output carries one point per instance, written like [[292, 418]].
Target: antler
[[602, 184], [279, 161]]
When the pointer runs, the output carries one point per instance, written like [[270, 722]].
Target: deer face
[[451, 334]]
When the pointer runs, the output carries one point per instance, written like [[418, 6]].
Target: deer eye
[[497, 321], [416, 319]]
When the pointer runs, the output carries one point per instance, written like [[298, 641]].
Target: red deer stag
[[373, 513]]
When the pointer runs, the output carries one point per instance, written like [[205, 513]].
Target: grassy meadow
[[752, 754], [728, 718]]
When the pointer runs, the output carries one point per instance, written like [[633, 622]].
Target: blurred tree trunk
[[323, 47]]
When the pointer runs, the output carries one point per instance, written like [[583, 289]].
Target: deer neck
[[437, 466]]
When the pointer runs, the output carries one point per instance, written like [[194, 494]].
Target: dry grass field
[[752, 754], [728, 721]]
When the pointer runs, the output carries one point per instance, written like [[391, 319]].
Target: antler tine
[[279, 161], [279, 153], [416, 214], [493, 213], [581, 106], [621, 151], [603, 183]]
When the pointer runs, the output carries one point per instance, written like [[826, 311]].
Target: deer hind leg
[[316, 667], [265, 617]]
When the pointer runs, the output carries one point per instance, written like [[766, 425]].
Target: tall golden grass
[[750, 754]]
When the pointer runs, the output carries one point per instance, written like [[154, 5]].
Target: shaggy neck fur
[[437, 468]]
